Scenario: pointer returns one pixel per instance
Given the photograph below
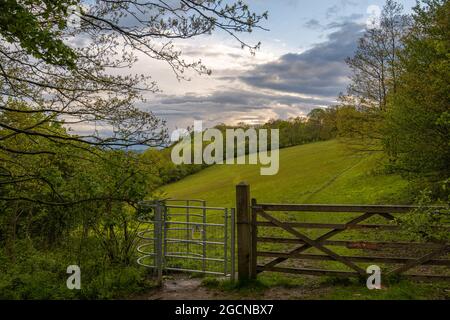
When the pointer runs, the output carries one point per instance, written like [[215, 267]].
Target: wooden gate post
[[254, 241], [243, 222]]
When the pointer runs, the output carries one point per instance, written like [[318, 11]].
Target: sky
[[300, 66]]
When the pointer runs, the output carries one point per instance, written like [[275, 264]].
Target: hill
[[322, 172]]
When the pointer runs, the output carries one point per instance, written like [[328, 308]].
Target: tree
[[66, 75], [375, 69], [42, 63], [360, 128], [417, 133], [54, 76], [322, 123], [47, 194], [375, 65]]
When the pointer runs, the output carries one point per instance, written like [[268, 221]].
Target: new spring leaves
[[235, 147]]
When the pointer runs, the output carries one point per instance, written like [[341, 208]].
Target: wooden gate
[[253, 217]]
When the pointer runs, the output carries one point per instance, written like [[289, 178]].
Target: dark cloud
[[313, 24], [347, 18], [337, 9], [239, 97], [332, 11], [320, 71], [201, 52], [295, 84], [231, 105]]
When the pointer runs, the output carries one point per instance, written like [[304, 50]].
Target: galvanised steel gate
[[186, 236]]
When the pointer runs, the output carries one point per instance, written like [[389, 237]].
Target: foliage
[[28, 23], [360, 128], [69, 122], [417, 132], [427, 223], [66, 195], [39, 274], [398, 101], [375, 70], [58, 76], [374, 65], [318, 125], [166, 170]]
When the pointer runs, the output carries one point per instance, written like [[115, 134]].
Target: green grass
[[322, 172], [403, 290], [277, 286]]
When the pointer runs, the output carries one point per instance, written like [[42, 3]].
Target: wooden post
[[243, 230], [158, 231], [254, 234]]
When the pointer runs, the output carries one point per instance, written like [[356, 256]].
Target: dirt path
[[191, 289], [180, 289]]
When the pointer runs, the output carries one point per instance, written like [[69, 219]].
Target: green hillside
[[322, 172]]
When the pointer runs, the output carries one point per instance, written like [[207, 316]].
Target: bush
[[38, 274], [425, 223]]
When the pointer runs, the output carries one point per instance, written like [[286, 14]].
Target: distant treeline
[[320, 124]]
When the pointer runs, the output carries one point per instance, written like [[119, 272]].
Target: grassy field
[[323, 172]]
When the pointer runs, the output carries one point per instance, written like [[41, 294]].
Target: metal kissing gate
[[186, 236]]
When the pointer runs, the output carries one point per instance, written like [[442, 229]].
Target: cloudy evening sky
[[300, 65]]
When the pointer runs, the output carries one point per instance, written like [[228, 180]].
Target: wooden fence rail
[[249, 213]]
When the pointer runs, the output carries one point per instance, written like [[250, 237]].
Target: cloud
[[231, 106], [343, 6], [320, 71], [313, 24], [332, 11], [238, 97], [289, 86]]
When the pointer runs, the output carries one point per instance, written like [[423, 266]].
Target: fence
[[299, 241], [186, 236]]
